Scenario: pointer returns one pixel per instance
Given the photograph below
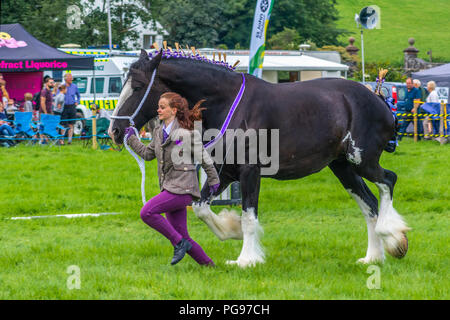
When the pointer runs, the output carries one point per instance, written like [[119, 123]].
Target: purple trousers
[[174, 226]]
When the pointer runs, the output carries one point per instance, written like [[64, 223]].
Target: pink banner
[[30, 64], [19, 83]]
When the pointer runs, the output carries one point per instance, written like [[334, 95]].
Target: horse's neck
[[219, 90]]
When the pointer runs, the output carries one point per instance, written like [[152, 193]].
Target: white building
[[301, 66], [149, 32]]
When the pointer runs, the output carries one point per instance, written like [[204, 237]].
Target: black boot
[[180, 250]]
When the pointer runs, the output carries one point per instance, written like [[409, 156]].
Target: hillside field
[[427, 22]]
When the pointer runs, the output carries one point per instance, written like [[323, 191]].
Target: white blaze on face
[[124, 95]]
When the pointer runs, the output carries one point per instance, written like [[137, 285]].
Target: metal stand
[[362, 56]]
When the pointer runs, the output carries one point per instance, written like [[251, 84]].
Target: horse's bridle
[[139, 160], [131, 118]]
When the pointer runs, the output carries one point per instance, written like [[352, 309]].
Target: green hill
[[427, 22]]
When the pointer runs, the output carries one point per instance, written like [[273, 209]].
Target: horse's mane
[[191, 58]]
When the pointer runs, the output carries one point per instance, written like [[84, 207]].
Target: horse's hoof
[[400, 250], [241, 264], [244, 263], [370, 260]]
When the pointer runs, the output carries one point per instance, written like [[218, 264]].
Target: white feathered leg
[[390, 225], [225, 225], [375, 252], [252, 251]]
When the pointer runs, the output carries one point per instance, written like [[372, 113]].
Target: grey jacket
[[176, 156]]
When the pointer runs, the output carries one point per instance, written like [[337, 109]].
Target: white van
[[110, 73]]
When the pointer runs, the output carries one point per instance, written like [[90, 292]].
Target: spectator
[[28, 104], [5, 128], [46, 97], [11, 109], [408, 106], [45, 80], [55, 90], [432, 94], [102, 113], [71, 100], [432, 98], [3, 93], [423, 92], [58, 106]]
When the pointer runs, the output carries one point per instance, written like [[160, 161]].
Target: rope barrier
[[423, 135]]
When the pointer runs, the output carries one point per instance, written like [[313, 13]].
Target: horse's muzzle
[[115, 135]]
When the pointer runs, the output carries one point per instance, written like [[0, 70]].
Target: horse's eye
[[136, 89]]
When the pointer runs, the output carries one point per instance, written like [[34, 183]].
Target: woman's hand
[[213, 189], [129, 132]]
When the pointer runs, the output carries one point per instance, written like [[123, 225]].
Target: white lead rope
[[140, 161], [141, 164]]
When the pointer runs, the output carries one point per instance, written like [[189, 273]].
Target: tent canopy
[[21, 52], [439, 74]]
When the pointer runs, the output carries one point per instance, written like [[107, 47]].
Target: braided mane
[[172, 54]]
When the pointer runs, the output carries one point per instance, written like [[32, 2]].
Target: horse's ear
[[156, 61], [144, 55]]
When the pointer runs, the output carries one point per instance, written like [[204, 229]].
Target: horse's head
[[133, 92]]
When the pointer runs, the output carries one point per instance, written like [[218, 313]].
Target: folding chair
[[103, 138], [102, 131], [24, 127], [49, 126]]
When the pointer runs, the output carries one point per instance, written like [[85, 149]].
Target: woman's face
[[165, 112], [430, 88]]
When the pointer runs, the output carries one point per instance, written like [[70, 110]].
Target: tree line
[[213, 23]]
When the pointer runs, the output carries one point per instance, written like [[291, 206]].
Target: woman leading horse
[[177, 179]]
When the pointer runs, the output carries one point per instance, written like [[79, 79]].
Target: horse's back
[[332, 100], [316, 118]]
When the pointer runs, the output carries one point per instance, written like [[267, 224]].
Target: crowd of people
[[54, 98], [427, 126], [415, 91]]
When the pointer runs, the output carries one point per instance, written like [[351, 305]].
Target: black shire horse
[[325, 122]]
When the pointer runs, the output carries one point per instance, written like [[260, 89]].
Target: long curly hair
[[185, 116]]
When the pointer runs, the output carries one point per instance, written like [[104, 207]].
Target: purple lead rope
[[229, 116]]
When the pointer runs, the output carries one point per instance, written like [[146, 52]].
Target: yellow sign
[[102, 104]]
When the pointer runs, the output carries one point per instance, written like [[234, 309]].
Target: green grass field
[[314, 233], [426, 21]]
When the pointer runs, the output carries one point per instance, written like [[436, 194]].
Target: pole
[[109, 27], [94, 111], [362, 55], [94, 127], [441, 124], [95, 84], [416, 106]]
